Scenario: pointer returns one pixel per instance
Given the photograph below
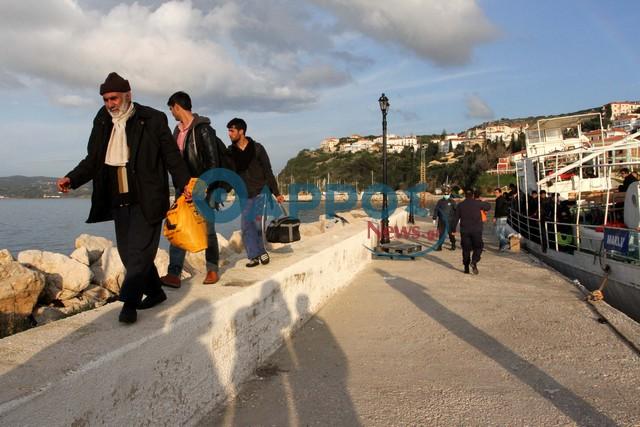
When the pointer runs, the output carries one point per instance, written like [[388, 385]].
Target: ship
[[587, 225]]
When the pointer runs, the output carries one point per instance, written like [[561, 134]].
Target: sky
[[299, 71]]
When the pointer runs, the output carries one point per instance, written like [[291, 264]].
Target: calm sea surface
[[54, 224]]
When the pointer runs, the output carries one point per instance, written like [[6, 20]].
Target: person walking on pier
[[201, 150], [444, 214], [252, 163], [129, 152], [500, 218], [470, 217]]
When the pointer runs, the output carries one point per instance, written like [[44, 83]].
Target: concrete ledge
[[183, 358]]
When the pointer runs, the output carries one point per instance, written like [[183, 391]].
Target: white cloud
[[73, 101], [477, 108], [159, 50], [230, 54], [442, 31]]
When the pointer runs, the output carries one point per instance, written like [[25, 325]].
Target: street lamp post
[[411, 219], [384, 107]]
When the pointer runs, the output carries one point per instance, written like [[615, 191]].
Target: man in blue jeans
[[500, 219], [201, 150], [252, 163]]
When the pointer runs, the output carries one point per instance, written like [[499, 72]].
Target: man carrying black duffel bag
[[252, 163]]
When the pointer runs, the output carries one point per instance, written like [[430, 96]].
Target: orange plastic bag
[[184, 227]]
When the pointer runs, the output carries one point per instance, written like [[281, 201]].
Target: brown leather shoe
[[211, 278], [171, 280]]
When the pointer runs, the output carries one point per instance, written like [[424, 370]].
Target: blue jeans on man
[[251, 231], [501, 232]]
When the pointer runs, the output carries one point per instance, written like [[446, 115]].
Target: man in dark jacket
[[201, 150], [500, 218], [129, 152], [252, 163], [628, 179], [445, 214], [468, 213]]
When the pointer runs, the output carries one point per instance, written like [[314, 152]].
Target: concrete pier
[[421, 343], [183, 357], [391, 343]]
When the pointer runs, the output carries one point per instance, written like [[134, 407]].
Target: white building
[[329, 145], [627, 122], [618, 108]]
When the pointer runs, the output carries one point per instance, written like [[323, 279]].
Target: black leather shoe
[[474, 268], [466, 269], [128, 314], [253, 262], [152, 300], [439, 248], [264, 258]]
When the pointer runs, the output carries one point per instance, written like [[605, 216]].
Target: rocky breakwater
[[39, 287]]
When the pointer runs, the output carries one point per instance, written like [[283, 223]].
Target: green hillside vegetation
[[316, 167]]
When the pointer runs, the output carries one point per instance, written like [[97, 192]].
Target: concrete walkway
[[421, 343]]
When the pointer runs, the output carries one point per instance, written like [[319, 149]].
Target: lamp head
[[384, 103]]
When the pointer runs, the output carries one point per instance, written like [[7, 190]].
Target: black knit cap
[[114, 83]]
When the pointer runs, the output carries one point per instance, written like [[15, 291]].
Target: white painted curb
[[174, 366]]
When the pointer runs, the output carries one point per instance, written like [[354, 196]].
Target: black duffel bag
[[283, 230]]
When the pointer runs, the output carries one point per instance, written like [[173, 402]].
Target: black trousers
[[471, 242], [137, 242], [452, 237]]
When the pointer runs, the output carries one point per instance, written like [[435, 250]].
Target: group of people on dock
[[129, 152], [471, 214]]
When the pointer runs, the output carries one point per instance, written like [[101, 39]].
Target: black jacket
[[445, 209], [152, 151], [254, 167], [502, 207], [628, 180], [468, 212], [203, 150]]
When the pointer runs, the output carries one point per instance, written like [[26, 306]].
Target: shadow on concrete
[[78, 351], [303, 383], [573, 406]]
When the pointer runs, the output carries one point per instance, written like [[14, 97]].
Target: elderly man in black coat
[[129, 152]]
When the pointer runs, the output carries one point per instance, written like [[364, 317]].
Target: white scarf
[[118, 150]]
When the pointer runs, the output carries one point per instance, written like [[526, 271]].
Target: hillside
[[531, 120], [35, 187]]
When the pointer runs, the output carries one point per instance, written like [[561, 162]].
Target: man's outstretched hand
[[187, 193], [63, 184]]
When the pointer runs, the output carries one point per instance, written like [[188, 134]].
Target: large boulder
[[65, 277], [98, 295], [235, 242], [95, 245], [19, 291], [162, 264], [224, 246], [82, 256], [109, 271], [195, 263], [5, 256], [46, 314]]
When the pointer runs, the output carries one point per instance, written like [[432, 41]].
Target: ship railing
[[571, 237]]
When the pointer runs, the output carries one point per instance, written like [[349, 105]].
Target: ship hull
[[622, 289]]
